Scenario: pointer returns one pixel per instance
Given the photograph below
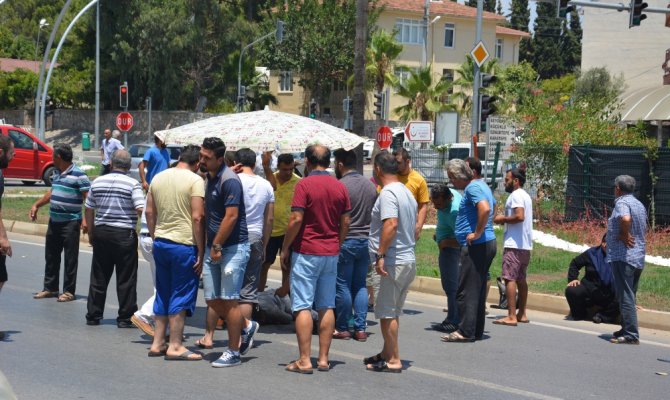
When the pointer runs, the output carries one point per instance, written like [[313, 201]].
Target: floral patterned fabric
[[263, 131]]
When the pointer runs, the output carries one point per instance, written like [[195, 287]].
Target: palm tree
[[381, 57], [466, 78], [425, 98]]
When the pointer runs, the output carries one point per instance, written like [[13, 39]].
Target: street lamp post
[[43, 23], [279, 36]]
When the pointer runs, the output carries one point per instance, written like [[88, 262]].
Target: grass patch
[[17, 209], [548, 271]]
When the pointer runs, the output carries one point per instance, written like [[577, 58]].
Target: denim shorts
[[223, 280], [313, 281]]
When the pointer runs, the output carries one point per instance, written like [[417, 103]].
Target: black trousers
[[113, 247], [61, 236], [475, 263]]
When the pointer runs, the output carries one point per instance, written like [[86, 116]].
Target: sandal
[[323, 368], [159, 353], [65, 297], [376, 359], [200, 344], [44, 294], [293, 366], [383, 367], [456, 337]]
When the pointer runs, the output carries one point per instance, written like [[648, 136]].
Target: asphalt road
[[50, 353]]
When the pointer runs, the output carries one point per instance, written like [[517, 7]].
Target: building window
[[449, 35], [448, 75], [499, 48], [339, 86], [285, 81], [410, 31], [403, 74]]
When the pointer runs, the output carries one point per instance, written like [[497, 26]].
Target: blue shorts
[[176, 281], [313, 281], [223, 280]]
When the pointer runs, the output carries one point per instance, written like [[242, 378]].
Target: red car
[[33, 161]]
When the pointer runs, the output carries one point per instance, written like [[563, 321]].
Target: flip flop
[[65, 297], [203, 346], [160, 353], [293, 366], [455, 337], [376, 359], [526, 321], [323, 368], [185, 356], [383, 367], [503, 322]]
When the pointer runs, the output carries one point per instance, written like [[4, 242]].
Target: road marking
[[444, 375]]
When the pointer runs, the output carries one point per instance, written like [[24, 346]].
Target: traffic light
[[487, 108], [380, 104], [123, 95], [564, 8], [312, 109], [487, 80], [636, 16]]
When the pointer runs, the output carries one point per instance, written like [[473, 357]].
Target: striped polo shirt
[[116, 197], [67, 194]]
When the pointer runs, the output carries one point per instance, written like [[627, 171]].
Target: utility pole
[[475, 84], [97, 77], [426, 16]]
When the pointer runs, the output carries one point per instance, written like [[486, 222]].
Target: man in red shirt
[[318, 225]]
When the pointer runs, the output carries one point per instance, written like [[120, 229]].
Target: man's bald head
[[121, 160], [318, 155]]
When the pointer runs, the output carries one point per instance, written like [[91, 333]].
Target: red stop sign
[[384, 137], [124, 121]]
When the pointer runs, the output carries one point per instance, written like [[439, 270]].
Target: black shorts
[[3, 269], [274, 246]]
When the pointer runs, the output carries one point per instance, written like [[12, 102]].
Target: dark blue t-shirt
[[225, 190], [158, 160]]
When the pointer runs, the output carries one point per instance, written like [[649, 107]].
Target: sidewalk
[[536, 301]]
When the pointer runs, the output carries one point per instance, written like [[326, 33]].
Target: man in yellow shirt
[[283, 182], [416, 184]]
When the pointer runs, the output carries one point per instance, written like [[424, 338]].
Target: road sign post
[[384, 137], [124, 122]]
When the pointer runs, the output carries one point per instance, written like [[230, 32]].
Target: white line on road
[[444, 375]]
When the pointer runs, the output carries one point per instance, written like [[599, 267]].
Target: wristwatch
[[379, 256], [217, 247]]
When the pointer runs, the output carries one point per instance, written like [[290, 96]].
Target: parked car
[[137, 154], [368, 147], [33, 161]]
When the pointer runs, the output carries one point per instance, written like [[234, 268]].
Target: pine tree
[[490, 5], [520, 19], [572, 42], [471, 3], [547, 57], [499, 9]]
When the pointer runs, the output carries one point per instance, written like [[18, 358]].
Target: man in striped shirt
[[116, 200], [68, 192]]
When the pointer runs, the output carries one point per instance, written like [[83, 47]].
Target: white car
[[368, 147], [137, 154]]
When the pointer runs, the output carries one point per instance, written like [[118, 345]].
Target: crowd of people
[[346, 243]]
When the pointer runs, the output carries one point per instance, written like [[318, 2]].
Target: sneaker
[[142, 325], [624, 340], [227, 359], [445, 327], [248, 337], [617, 333]]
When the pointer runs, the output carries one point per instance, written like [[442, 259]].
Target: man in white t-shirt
[[518, 221]]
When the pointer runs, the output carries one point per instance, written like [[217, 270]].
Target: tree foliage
[[318, 42], [425, 97], [465, 81]]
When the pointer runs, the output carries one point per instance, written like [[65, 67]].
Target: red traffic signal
[[123, 95]]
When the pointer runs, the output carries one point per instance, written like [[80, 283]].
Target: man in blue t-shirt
[[227, 249], [156, 159], [474, 232]]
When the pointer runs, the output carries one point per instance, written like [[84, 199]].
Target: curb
[[536, 301]]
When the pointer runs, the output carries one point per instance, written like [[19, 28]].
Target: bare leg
[[391, 352], [246, 309], [326, 328], [159, 333], [231, 311], [523, 299], [176, 347], [303, 331], [510, 292], [210, 326]]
